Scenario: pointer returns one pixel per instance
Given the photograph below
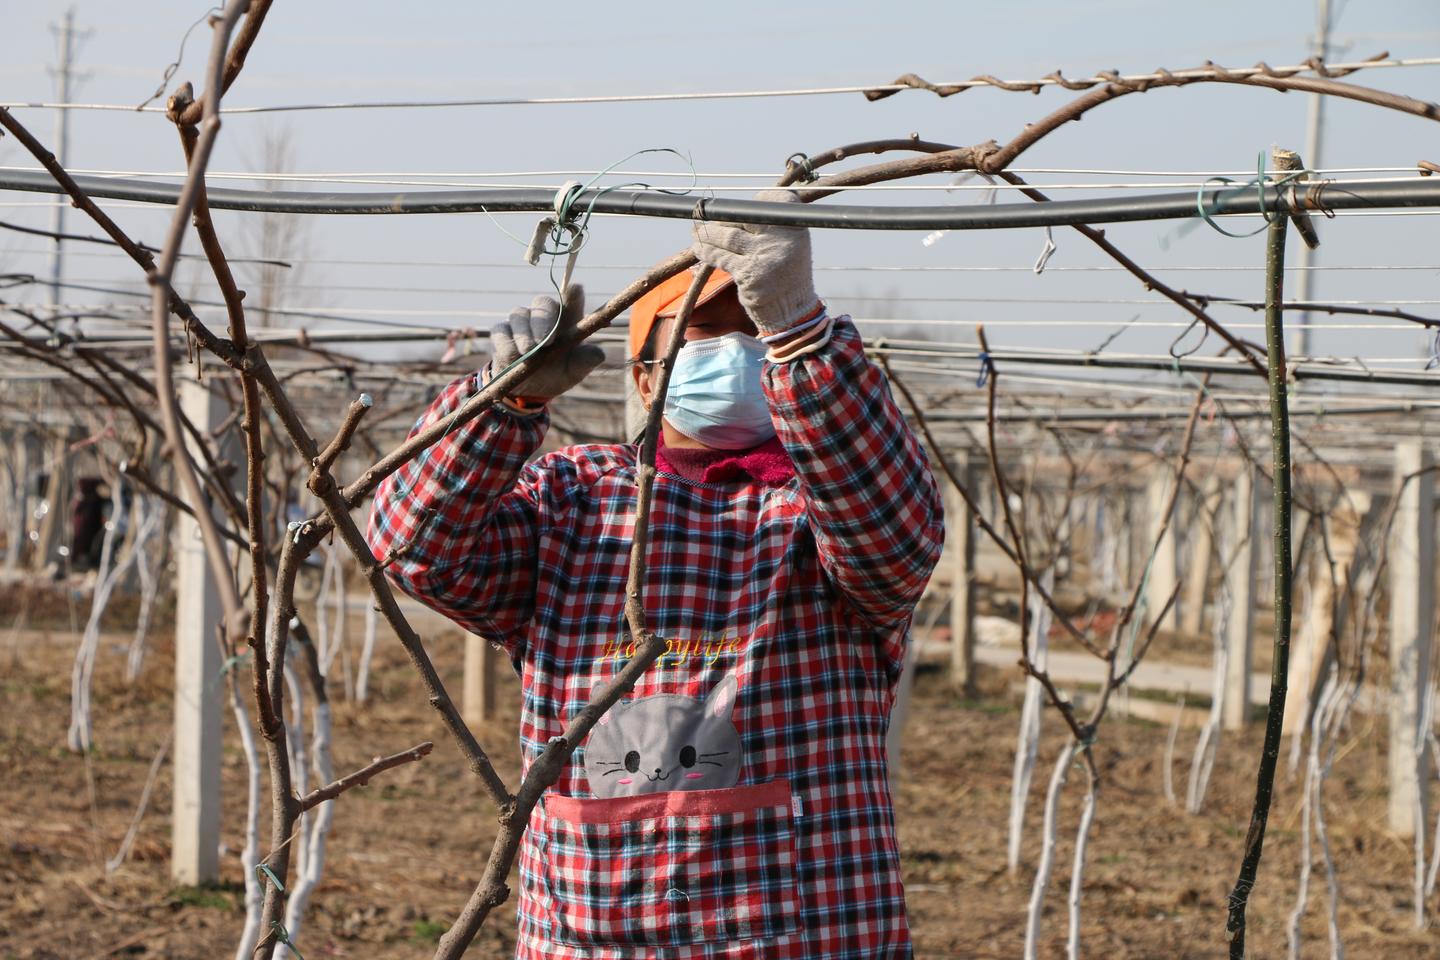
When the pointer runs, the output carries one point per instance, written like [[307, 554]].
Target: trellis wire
[[83, 283], [470, 177], [119, 257], [726, 94]]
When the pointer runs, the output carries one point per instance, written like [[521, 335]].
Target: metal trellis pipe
[[1221, 200]]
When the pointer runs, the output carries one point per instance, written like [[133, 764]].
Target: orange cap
[[664, 301]]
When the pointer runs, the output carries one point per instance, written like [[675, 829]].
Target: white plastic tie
[[1046, 252], [562, 199], [537, 240]]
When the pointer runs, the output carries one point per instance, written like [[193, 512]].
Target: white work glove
[[770, 264], [527, 326]]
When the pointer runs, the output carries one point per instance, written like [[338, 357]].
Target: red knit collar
[[767, 463]]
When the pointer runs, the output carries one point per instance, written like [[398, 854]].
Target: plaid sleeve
[[873, 504], [460, 528]]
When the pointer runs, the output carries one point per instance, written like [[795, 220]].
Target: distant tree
[[274, 237]]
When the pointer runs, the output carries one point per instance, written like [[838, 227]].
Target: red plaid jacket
[[787, 610]]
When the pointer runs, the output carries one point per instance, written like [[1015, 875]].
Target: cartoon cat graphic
[[665, 742]]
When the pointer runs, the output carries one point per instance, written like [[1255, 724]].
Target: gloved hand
[[527, 326], [770, 264]]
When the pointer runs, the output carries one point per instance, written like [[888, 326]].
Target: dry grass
[[405, 851]]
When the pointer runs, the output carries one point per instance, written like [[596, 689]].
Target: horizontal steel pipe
[[1217, 201]]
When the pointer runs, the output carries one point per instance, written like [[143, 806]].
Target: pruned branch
[[234, 59], [141, 255], [138, 473], [341, 442], [255, 522], [363, 776]]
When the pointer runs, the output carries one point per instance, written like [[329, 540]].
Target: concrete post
[[1129, 528], [1163, 573], [478, 695], [1311, 649], [1200, 546], [1243, 513], [17, 533], [960, 545], [1412, 623], [195, 824]]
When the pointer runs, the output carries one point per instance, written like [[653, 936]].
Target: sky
[[327, 51]]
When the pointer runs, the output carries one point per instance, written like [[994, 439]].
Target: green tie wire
[[1258, 182], [263, 873]]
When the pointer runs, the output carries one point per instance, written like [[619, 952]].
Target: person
[[87, 523], [736, 804]]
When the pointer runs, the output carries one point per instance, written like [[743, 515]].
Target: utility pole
[[63, 74], [1313, 128]]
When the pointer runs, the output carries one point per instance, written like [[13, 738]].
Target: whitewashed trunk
[[318, 827], [1208, 742], [1307, 800], [1029, 737], [250, 855], [1077, 869], [107, 575], [128, 841], [367, 653], [149, 576], [1047, 851]]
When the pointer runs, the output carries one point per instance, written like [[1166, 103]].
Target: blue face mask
[[715, 395]]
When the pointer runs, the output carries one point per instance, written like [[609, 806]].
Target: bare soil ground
[[405, 851]]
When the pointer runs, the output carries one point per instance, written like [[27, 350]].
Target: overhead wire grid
[[932, 348]]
